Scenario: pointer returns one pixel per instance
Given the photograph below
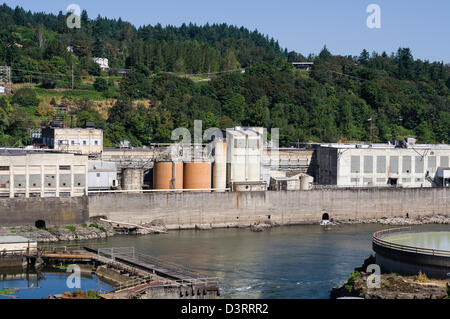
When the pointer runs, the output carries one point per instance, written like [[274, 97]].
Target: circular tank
[[132, 178], [220, 166], [197, 175], [168, 175], [408, 251], [305, 182]]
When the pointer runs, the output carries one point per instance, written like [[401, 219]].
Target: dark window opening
[[325, 216], [392, 181], [40, 224], [4, 168]]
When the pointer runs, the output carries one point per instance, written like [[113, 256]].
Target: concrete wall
[[284, 207], [53, 210]]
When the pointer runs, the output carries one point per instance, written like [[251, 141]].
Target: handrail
[[428, 251]]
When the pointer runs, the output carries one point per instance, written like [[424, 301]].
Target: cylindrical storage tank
[[306, 182], [197, 175], [168, 175], [220, 166], [132, 178]]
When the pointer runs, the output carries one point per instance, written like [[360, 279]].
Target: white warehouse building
[[365, 165], [32, 173], [244, 152]]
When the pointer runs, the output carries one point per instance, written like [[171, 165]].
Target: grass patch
[[421, 277], [81, 294], [71, 228], [61, 267], [98, 227], [7, 291], [84, 225]]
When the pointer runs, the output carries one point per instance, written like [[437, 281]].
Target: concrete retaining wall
[[284, 207], [53, 210]]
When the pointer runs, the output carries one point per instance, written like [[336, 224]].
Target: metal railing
[[376, 238], [18, 252], [161, 190]]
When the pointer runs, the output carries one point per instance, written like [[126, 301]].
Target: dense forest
[[221, 74]]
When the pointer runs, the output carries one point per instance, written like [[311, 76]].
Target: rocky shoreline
[[440, 219], [97, 228], [392, 286], [94, 229]]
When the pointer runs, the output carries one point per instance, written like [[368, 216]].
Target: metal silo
[[197, 175], [220, 166], [168, 175], [132, 178]]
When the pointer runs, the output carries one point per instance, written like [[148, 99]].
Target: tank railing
[[162, 190], [427, 251]]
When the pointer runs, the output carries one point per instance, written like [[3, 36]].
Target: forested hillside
[[179, 74]]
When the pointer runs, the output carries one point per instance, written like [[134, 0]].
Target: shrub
[[100, 85], [25, 97]]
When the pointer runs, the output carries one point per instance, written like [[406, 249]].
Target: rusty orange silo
[[197, 175], [168, 175]]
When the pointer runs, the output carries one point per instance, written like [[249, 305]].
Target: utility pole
[[370, 120], [72, 74]]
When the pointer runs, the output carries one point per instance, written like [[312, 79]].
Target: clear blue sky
[[303, 26]]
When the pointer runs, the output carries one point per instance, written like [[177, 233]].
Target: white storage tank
[[220, 166], [306, 182]]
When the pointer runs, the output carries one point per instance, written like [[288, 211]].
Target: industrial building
[[403, 164], [245, 147], [102, 175], [32, 173], [87, 141]]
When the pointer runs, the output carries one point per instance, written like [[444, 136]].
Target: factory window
[[368, 164], [4, 168], [419, 164], [72, 142], [354, 180], [392, 181], [381, 180], [64, 167], [406, 180], [367, 180], [432, 163], [381, 164], [98, 174], [406, 164], [393, 164], [444, 161], [355, 165]]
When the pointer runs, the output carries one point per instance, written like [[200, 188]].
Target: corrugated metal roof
[[14, 239]]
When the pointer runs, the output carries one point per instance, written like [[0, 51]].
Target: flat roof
[[14, 239], [386, 146], [23, 151]]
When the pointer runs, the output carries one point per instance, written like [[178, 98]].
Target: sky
[[299, 25]]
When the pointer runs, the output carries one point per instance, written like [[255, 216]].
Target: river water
[[283, 262]]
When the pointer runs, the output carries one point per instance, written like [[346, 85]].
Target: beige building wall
[[43, 175], [410, 167], [74, 140]]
